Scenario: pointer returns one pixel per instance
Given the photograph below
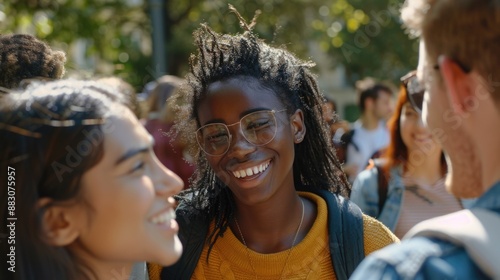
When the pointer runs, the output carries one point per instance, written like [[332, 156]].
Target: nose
[[239, 145], [167, 183], [419, 125]]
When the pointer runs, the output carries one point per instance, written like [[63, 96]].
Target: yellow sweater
[[310, 259]]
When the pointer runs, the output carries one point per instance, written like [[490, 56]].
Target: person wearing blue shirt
[[456, 89]]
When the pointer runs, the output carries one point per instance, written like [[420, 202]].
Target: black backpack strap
[[382, 187], [345, 229], [193, 230], [346, 139]]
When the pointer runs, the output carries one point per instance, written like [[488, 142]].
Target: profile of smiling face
[[125, 210], [95, 198], [130, 213], [464, 168], [227, 102]]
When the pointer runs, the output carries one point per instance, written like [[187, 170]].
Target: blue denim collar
[[490, 199]]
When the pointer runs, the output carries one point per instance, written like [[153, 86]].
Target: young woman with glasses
[[267, 201], [412, 168]]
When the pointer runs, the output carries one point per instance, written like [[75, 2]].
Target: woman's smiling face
[[130, 196], [253, 173]]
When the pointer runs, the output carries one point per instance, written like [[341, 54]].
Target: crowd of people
[[243, 170]]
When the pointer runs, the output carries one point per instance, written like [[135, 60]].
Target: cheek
[[405, 130], [216, 163], [123, 200]]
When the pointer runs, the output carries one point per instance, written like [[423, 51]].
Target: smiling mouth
[[422, 138], [164, 217], [240, 174]]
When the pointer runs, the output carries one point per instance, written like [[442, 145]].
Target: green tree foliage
[[109, 32], [365, 36]]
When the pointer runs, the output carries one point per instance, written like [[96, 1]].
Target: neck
[[490, 160], [270, 227], [99, 269], [485, 138], [114, 271], [369, 122], [424, 168]]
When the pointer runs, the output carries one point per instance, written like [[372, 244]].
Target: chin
[[171, 253]]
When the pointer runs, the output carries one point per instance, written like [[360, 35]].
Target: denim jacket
[[365, 195], [427, 258]]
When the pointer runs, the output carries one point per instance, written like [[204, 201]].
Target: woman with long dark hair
[[86, 196], [267, 200]]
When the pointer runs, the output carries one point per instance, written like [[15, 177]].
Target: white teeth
[[251, 171], [164, 217]]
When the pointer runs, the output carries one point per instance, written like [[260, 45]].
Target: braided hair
[[221, 57], [23, 56]]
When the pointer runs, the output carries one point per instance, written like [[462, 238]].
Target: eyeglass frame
[[421, 89], [418, 89], [273, 111]]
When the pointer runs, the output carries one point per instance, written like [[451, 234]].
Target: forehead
[[123, 132], [230, 100], [384, 95]]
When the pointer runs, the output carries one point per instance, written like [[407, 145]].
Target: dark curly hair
[[222, 57], [23, 56]]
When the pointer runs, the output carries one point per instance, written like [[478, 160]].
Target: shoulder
[[365, 185], [340, 210], [366, 178], [418, 258], [376, 235]]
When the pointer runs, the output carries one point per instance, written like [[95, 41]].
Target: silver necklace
[[289, 252]]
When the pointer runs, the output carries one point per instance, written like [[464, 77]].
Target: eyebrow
[[242, 114], [133, 152]]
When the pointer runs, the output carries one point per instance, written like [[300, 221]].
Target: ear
[[457, 83], [298, 126], [60, 223]]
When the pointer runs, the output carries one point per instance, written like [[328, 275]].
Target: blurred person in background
[[24, 57], [337, 127], [406, 185], [169, 147], [369, 134]]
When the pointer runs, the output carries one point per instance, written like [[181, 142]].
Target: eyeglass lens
[[258, 128], [415, 93]]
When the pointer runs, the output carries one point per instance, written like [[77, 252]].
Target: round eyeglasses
[[414, 90], [259, 128]]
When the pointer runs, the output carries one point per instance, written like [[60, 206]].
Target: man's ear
[[59, 223], [457, 83], [298, 126]]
